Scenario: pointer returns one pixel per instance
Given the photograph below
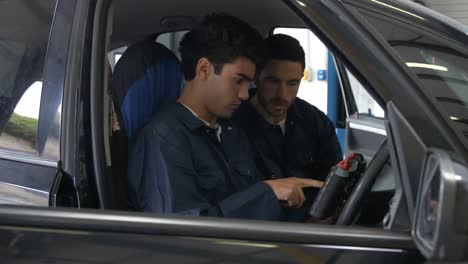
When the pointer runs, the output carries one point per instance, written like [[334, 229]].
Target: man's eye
[[240, 81]]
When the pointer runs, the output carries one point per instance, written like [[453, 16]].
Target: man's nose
[[281, 92], [244, 92]]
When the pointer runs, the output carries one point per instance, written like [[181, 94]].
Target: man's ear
[[203, 69], [258, 76], [256, 79]]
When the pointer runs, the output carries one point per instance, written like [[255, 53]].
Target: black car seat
[[146, 76]]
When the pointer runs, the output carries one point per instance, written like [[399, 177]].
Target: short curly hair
[[221, 38], [282, 47]]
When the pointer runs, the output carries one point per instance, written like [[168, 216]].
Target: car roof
[[136, 19]]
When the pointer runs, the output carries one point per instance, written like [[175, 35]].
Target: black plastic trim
[[72, 87], [346, 89], [98, 58], [137, 223]]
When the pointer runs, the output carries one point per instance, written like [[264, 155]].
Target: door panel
[[91, 236], [25, 183], [98, 247], [20, 195]]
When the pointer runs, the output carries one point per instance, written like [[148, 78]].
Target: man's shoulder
[[308, 111], [247, 118], [167, 115], [243, 114], [166, 123], [306, 108], [311, 115]]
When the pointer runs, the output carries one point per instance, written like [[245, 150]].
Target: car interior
[[72, 100], [148, 36], [145, 34]]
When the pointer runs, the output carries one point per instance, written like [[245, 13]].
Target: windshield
[[440, 64]]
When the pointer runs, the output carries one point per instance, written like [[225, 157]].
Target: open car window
[[314, 86], [171, 40], [366, 105]]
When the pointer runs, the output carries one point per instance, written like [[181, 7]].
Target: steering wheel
[[364, 185]]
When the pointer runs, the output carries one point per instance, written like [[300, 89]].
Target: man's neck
[[193, 101], [274, 120]]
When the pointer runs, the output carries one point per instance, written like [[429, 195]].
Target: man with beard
[[291, 138]]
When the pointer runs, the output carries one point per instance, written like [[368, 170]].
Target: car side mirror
[[440, 227]]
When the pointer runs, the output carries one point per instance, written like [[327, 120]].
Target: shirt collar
[[185, 116], [282, 124], [193, 126]]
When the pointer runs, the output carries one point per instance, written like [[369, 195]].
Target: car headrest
[[147, 75]]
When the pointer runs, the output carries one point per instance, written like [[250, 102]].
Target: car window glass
[[24, 34], [113, 56], [438, 64], [365, 103], [172, 40], [117, 57], [313, 88]]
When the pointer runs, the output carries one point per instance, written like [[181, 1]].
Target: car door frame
[[308, 240], [197, 224], [33, 179]]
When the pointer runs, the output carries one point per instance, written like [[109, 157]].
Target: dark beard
[[264, 104]]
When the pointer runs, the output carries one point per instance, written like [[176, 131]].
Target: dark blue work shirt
[[308, 148], [204, 176]]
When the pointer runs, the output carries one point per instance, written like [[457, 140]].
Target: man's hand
[[289, 190]]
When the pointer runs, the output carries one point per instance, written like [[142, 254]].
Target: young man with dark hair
[[209, 161], [291, 137]]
